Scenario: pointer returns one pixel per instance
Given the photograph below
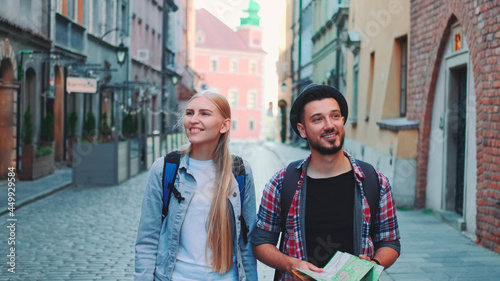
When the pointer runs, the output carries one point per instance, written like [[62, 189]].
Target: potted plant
[[27, 133], [104, 128], [127, 125], [89, 126], [36, 162], [72, 122], [47, 131]]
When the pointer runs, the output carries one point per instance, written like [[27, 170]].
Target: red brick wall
[[430, 22]]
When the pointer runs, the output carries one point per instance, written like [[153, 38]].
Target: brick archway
[[426, 53]]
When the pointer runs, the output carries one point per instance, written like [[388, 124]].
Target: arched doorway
[[30, 99], [451, 171], [59, 116]]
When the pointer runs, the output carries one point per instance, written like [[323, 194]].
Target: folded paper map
[[345, 267]]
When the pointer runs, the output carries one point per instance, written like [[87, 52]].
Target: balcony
[[69, 35]]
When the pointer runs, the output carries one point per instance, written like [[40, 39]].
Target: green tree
[[28, 131], [48, 127], [89, 126], [104, 127], [127, 124], [73, 120]]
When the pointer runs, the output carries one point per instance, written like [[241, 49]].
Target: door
[[460, 138]]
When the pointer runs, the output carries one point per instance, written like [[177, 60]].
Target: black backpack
[[170, 169], [371, 188]]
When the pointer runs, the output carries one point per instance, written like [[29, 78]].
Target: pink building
[[230, 62]]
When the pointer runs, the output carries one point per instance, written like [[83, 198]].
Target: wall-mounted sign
[[81, 85]]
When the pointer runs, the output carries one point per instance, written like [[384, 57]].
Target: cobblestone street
[[85, 233], [88, 233]]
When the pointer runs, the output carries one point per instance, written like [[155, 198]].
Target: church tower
[[249, 29]]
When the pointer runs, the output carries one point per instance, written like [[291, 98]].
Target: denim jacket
[[157, 242]]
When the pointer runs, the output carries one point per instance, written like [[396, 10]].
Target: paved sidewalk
[[29, 191], [433, 250]]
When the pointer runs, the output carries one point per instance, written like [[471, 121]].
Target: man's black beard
[[327, 150]]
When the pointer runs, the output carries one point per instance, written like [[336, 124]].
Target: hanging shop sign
[[81, 85]]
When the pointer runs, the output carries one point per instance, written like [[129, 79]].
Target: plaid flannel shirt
[[269, 219]]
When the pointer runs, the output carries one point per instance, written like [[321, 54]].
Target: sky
[[271, 12]]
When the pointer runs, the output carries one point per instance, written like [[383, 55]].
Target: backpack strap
[[371, 188], [170, 169], [239, 175], [288, 188]]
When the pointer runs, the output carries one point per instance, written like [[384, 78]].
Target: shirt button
[[234, 194]]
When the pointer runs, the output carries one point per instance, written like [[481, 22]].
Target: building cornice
[[18, 32]]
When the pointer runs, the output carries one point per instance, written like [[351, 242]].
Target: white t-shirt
[[191, 261]]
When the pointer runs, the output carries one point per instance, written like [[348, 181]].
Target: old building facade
[[231, 62], [453, 86], [24, 75], [378, 129], [422, 83]]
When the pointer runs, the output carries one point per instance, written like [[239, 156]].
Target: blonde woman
[[201, 237]]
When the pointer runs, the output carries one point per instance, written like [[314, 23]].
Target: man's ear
[[302, 130], [225, 126]]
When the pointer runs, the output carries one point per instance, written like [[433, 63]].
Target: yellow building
[[376, 89], [284, 72]]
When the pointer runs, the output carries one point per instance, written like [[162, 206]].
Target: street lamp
[[175, 79], [283, 87], [121, 53]]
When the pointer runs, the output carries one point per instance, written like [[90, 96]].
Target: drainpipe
[[300, 43]]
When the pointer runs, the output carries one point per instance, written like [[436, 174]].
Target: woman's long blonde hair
[[218, 224]]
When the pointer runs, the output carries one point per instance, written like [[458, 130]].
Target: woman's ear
[[225, 126]]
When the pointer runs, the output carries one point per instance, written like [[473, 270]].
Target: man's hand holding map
[[345, 267]]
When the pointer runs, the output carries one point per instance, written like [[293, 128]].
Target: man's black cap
[[321, 92]]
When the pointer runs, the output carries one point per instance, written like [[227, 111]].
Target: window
[[403, 44], [370, 86], [70, 9], [252, 67], [96, 18], [124, 19], [233, 66], [200, 37], [234, 124], [285, 67], [214, 64], [251, 124], [59, 7], [110, 19], [233, 98], [355, 82], [252, 99]]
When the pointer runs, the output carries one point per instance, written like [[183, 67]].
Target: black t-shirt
[[329, 217]]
